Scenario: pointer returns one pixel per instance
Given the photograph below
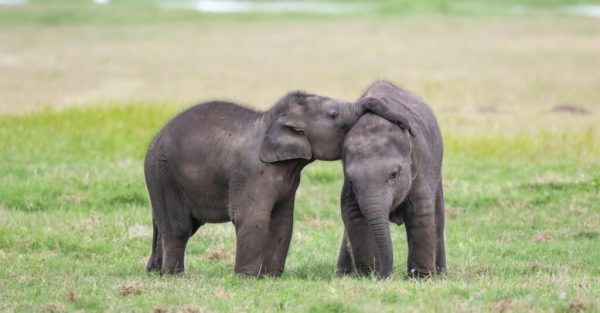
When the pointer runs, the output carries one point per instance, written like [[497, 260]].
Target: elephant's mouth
[[298, 131]]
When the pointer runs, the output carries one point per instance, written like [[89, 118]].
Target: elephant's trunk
[[354, 110], [378, 219], [358, 108]]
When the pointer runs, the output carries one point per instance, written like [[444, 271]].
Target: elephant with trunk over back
[[218, 162], [392, 173]]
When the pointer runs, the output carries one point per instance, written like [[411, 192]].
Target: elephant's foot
[[154, 264], [342, 271], [440, 271], [365, 269], [413, 273], [274, 271], [172, 269], [173, 255], [273, 274], [250, 271]]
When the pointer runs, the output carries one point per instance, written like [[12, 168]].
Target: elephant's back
[[211, 116], [210, 123], [420, 116], [204, 138], [415, 110]]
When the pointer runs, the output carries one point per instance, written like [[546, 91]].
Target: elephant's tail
[[440, 256], [154, 235]]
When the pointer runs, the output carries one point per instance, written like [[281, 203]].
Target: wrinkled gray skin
[[392, 173], [220, 162]]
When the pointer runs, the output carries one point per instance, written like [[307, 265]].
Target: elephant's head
[[307, 126], [377, 164]]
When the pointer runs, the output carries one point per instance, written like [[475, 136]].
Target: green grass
[[522, 230]]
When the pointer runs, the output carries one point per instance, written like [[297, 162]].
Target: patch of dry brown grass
[[541, 237], [53, 308], [498, 74], [73, 296], [220, 253], [577, 305], [130, 288], [182, 309]]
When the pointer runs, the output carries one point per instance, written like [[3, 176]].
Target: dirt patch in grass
[[570, 109], [189, 309], [577, 305], [73, 296], [130, 289], [504, 305], [182, 309], [483, 271], [53, 308], [73, 198], [541, 237], [220, 253]]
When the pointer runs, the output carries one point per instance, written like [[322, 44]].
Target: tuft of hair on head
[[299, 94], [300, 97]]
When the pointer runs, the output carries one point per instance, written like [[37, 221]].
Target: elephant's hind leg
[[175, 226], [157, 202], [155, 261], [174, 242], [173, 253]]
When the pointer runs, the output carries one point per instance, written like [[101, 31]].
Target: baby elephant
[[220, 162], [392, 173]]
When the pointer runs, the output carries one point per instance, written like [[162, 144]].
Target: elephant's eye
[[332, 115], [298, 130], [394, 175]]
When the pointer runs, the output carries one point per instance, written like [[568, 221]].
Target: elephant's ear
[[282, 143], [376, 106]]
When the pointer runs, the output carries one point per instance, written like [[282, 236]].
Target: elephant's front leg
[[345, 265], [362, 243], [280, 235], [252, 237], [421, 234]]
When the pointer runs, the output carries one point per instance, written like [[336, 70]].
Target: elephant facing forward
[[392, 173]]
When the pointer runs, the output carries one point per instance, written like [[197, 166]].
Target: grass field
[[81, 97]]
